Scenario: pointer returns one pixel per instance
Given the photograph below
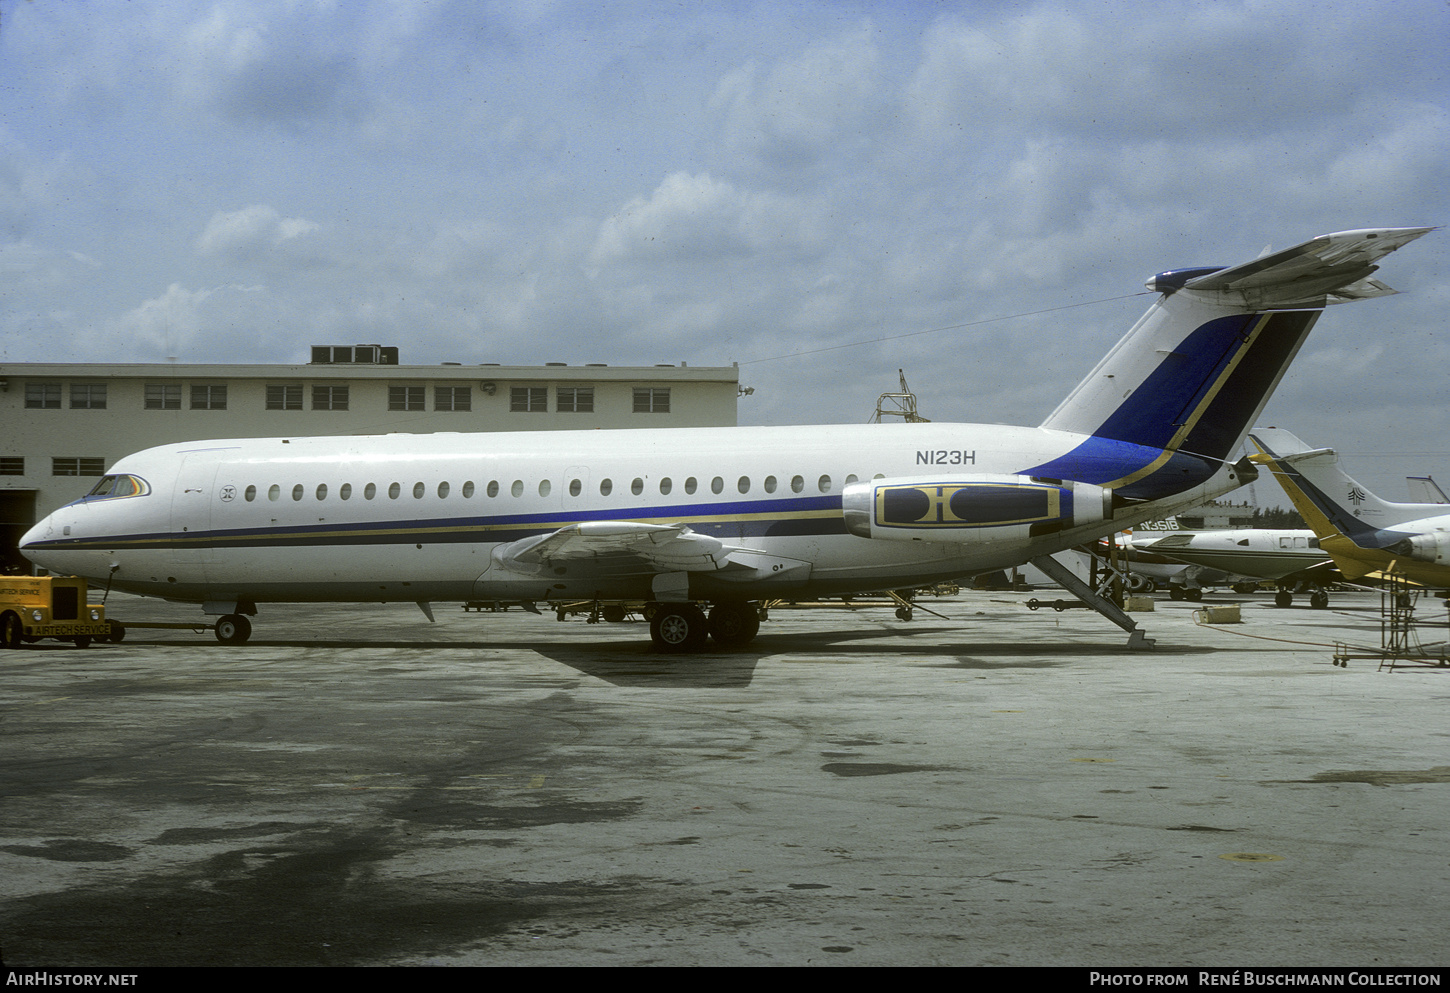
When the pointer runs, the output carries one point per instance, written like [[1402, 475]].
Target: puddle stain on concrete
[[1376, 777]]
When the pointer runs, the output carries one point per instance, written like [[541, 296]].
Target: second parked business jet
[[690, 518], [1366, 535]]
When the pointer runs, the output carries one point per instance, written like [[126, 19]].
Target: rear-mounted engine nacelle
[[971, 508], [1432, 546]]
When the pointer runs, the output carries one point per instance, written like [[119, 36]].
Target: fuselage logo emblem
[[229, 493]]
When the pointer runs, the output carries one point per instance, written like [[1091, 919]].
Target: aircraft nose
[[32, 541], [35, 535]]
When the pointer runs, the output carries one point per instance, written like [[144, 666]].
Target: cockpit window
[[114, 487]]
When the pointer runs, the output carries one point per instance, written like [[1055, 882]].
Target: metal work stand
[[1399, 645]]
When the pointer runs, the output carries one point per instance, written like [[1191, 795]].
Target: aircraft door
[[191, 505]]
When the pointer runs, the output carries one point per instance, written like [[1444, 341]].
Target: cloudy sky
[[823, 192]]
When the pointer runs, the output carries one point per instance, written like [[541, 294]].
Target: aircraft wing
[[632, 547], [1333, 268], [661, 547], [1324, 573]]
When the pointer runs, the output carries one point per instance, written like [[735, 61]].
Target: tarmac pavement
[[357, 786]]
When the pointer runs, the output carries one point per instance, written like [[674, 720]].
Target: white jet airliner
[[688, 518]]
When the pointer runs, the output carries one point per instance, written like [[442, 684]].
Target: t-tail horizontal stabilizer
[[1175, 397]]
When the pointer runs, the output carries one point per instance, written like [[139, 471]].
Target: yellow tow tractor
[[35, 607]]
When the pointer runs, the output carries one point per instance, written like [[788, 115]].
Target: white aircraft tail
[[1185, 383], [1315, 483]]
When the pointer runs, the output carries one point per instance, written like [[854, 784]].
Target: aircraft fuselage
[[419, 517]]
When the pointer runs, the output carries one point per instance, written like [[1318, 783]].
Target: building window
[[452, 398], [163, 396], [576, 399], [329, 397], [209, 397], [284, 396], [12, 465], [528, 399], [405, 397], [42, 396], [87, 396], [77, 467], [651, 399]]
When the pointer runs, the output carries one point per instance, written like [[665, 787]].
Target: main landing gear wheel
[[678, 627], [1319, 600], [1284, 598], [733, 623], [233, 629]]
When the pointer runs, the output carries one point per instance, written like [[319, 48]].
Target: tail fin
[[1326, 495], [1193, 374]]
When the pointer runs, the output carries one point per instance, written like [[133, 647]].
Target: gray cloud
[[561, 181]]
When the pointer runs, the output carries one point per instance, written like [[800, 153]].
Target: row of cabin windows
[[576, 488], [289, 396]]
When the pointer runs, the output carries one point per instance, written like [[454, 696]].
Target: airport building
[[65, 424]]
